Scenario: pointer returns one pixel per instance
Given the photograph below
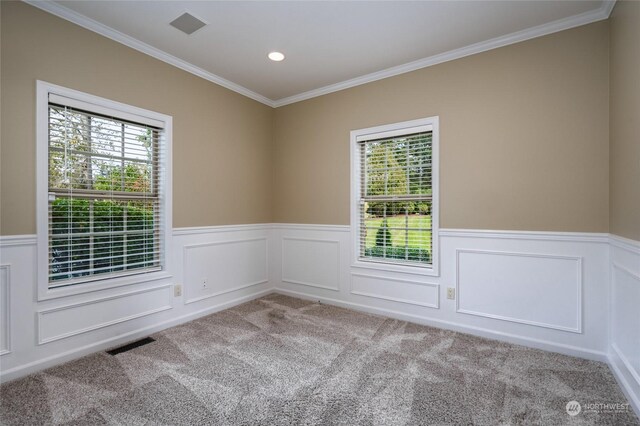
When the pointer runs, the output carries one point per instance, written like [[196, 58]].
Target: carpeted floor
[[281, 361]]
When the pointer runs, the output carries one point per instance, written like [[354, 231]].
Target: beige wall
[[625, 120], [524, 131], [221, 140], [523, 137]]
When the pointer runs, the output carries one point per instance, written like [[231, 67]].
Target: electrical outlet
[[204, 283], [451, 293], [177, 290]]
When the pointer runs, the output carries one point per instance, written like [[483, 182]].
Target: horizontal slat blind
[[104, 196], [396, 199], [104, 111]]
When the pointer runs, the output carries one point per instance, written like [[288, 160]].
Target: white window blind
[[396, 197], [105, 210]]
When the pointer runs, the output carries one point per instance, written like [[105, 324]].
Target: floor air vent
[[131, 345]]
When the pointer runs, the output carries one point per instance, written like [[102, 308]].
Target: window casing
[[394, 210], [103, 193]]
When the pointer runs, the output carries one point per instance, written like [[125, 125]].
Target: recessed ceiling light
[[276, 56]]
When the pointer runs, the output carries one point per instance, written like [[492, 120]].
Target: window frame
[[391, 130], [98, 105]]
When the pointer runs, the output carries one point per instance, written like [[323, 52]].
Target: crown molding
[[115, 35], [607, 7], [60, 11], [599, 14]]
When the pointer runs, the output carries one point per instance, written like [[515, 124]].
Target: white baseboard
[[625, 378], [477, 331], [34, 367]]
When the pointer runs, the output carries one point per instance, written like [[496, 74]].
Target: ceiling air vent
[[187, 23]]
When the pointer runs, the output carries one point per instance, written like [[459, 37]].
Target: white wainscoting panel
[[220, 267], [311, 262], [242, 262], [536, 289], [410, 292], [77, 318], [47, 333], [625, 316], [626, 299], [5, 309], [541, 289]]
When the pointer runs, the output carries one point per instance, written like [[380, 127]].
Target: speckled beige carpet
[[282, 361]]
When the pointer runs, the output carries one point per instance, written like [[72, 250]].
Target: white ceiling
[[328, 45]]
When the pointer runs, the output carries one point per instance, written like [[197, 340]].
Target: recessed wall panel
[[73, 319], [311, 262], [535, 289], [396, 290], [215, 268]]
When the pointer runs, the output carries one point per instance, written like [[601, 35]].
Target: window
[[103, 193], [395, 196]]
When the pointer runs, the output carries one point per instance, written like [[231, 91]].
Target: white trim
[[312, 227], [391, 267], [579, 282], [626, 375], [619, 267], [42, 313], [284, 280], [621, 377], [590, 237], [449, 325], [220, 228], [614, 268], [395, 299], [98, 285], [220, 293], [217, 243], [79, 100], [627, 244], [483, 46], [18, 240], [610, 308], [110, 107], [43, 89], [51, 361], [6, 310], [409, 127], [599, 14], [607, 7], [626, 363], [115, 35], [389, 132], [291, 281], [42, 189]]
